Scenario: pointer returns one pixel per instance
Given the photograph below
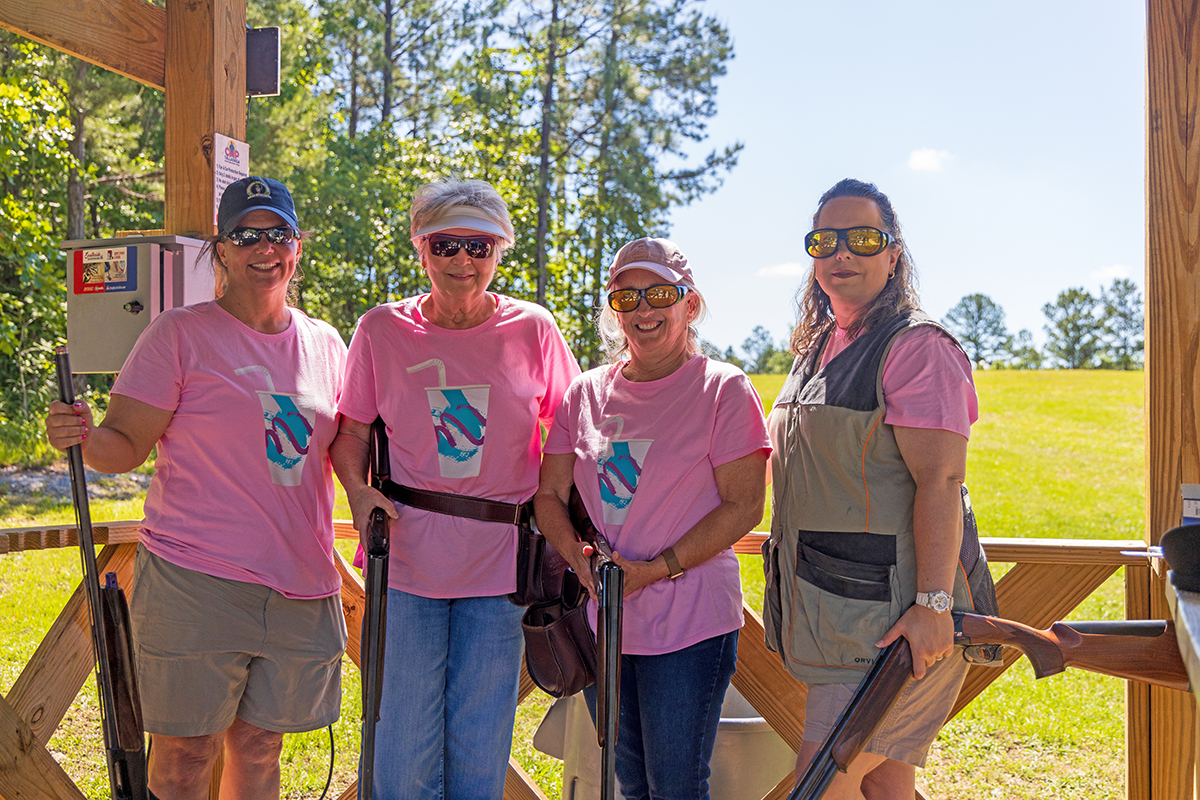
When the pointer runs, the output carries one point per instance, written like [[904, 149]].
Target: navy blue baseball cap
[[251, 194]]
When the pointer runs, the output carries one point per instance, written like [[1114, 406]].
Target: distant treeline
[[585, 115], [1083, 331]]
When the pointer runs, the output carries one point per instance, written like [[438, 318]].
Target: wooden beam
[[1172, 336], [126, 36], [206, 94], [62, 662], [762, 679], [354, 606], [27, 769], [14, 540]]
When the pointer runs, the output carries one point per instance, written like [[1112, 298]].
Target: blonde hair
[[614, 343], [435, 200]]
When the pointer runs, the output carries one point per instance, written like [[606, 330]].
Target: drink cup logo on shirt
[[459, 416], [289, 420], [619, 471]]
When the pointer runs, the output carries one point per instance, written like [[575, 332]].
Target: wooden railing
[[1048, 579]]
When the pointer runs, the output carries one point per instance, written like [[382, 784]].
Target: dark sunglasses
[[861, 241], [448, 246], [661, 296], [244, 237]]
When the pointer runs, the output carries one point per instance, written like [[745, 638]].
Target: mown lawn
[[1054, 454]]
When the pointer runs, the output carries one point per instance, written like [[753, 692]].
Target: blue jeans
[[450, 676], [670, 708]]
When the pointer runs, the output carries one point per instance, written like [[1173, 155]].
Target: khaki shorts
[[209, 650], [912, 724]]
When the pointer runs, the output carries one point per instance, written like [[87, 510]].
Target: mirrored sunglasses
[[244, 237], [661, 296], [448, 246], [861, 241]]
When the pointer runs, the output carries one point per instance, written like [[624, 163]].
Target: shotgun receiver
[[1137, 650], [116, 678], [375, 575]]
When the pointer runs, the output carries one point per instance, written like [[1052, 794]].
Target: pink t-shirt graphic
[[459, 416], [290, 421], [619, 469]]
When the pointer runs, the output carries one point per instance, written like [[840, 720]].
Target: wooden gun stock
[[1137, 650]]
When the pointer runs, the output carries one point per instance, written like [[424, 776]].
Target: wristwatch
[[673, 568], [939, 602]]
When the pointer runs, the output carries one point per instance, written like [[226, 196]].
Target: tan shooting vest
[[840, 562]]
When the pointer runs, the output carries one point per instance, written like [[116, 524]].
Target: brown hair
[[898, 295]]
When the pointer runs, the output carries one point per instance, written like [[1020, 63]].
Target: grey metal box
[[115, 287]]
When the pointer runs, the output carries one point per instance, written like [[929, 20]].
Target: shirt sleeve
[[153, 371], [927, 383], [740, 428], [358, 400], [561, 368], [560, 438]]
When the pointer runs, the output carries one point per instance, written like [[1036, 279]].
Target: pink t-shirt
[[645, 454], [926, 381], [462, 409], [243, 487]]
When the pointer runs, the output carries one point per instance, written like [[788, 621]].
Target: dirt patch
[[55, 481]]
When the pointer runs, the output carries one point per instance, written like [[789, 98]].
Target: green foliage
[[1124, 324], [1074, 329], [34, 134], [978, 322]]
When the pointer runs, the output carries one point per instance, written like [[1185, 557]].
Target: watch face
[[941, 602]]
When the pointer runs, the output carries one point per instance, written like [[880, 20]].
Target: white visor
[[464, 217]]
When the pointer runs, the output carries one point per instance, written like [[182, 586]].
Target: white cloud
[[1109, 274], [928, 160], [792, 269]]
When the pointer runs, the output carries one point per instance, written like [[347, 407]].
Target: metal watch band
[[672, 560], [939, 602]]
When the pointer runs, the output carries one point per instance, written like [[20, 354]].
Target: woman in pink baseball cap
[[668, 449]]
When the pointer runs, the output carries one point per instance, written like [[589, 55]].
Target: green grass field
[[1054, 454]]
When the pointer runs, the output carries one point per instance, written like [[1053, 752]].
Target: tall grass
[[1054, 454]]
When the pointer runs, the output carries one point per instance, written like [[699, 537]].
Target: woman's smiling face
[[851, 281]]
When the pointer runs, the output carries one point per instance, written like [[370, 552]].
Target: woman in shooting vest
[[870, 442], [668, 450], [236, 602], [464, 379]]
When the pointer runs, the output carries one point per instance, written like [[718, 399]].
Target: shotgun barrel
[[609, 579], [375, 577], [116, 677]]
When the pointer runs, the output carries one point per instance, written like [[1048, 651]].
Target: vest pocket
[[848, 604]]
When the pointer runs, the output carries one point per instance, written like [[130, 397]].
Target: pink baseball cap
[[660, 256]]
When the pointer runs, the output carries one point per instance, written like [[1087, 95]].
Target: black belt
[[457, 505]]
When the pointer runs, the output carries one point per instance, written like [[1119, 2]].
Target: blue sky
[[1010, 137]]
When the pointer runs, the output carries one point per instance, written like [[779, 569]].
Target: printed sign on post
[[1191, 503], [231, 162]]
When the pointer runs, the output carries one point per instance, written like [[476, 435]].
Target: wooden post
[[1172, 344], [206, 94]]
